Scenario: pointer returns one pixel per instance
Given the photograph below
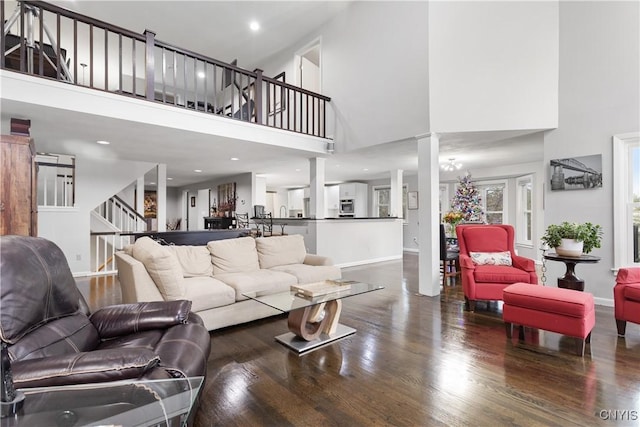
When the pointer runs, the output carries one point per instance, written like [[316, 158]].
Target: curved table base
[[315, 326]]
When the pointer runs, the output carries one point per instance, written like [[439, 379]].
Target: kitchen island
[[348, 241]]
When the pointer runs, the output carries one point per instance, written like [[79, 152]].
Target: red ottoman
[[564, 311]]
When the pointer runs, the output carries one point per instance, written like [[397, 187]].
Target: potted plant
[[453, 218], [572, 238]]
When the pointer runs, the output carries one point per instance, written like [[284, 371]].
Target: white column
[[428, 226], [140, 195], [395, 201], [258, 190], [161, 197], [316, 190]]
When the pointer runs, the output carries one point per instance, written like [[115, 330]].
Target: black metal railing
[[48, 41]]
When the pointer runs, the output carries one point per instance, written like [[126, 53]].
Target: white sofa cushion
[[234, 255], [280, 250], [194, 260], [310, 273], [207, 292], [257, 283], [162, 265]]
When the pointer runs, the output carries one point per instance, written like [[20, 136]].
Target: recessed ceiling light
[[201, 74], [152, 183], [297, 170], [365, 169], [169, 179], [254, 26], [234, 159], [103, 142], [197, 170]]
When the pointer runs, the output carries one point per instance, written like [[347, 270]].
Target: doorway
[[307, 64]]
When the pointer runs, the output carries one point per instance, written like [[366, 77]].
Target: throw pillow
[[194, 260], [234, 255], [491, 258], [163, 267], [281, 250]]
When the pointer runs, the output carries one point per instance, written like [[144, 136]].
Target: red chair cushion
[[499, 274], [566, 302], [486, 239], [632, 292]]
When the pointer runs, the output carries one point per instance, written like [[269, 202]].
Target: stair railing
[[122, 216], [48, 41]]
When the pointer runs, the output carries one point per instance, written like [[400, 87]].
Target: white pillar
[[258, 190], [428, 226], [161, 197], [140, 196], [395, 202], [316, 190]]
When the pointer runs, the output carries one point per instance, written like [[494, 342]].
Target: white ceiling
[[196, 25]]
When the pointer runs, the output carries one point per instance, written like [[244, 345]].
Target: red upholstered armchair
[[489, 263], [626, 298]]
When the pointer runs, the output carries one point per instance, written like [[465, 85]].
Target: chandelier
[[451, 165]]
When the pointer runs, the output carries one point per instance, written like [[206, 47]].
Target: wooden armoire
[[18, 186]]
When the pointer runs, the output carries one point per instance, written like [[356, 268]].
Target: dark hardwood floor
[[417, 361]]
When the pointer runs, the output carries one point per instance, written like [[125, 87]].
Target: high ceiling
[[57, 131]]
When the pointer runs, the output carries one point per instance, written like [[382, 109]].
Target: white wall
[[599, 97], [493, 65], [174, 201], [97, 179], [375, 70], [351, 242]]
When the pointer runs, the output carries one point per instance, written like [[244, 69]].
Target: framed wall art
[[576, 173]]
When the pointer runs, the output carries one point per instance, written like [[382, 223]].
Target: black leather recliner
[[54, 340]]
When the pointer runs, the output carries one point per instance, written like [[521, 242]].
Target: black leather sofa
[[53, 339]]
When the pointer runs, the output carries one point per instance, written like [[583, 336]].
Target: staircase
[[112, 225]]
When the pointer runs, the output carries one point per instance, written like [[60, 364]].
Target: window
[[382, 198], [524, 219], [381, 201], [626, 194], [493, 198], [444, 201]]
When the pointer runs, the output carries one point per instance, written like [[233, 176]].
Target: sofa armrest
[[465, 262], [311, 259], [124, 319], [526, 264], [135, 282], [86, 367]]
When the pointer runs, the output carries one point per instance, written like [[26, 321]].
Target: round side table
[[570, 280]]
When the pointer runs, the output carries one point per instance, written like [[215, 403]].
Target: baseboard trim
[[369, 261], [607, 302], [414, 250]]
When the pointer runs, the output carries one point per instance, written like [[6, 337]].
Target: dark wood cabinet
[[217, 222], [18, 186]]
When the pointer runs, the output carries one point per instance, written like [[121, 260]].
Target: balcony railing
[[44, 40]]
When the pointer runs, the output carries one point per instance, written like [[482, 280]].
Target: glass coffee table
[[313, 320], [119, 403]]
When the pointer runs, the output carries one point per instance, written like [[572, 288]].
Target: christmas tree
[[467, 200]]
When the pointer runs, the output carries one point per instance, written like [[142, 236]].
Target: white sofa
[[216, 277]]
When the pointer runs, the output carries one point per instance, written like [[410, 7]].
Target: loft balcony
[[47, 41]]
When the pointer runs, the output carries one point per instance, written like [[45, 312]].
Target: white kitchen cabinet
[[348, 190], [358, 192], [296, 199], [332, 197]]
